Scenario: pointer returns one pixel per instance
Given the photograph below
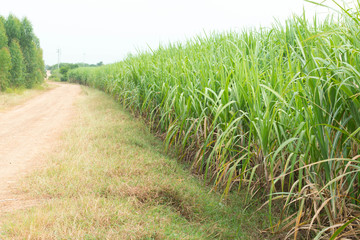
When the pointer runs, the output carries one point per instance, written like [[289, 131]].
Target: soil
[[27, 133]]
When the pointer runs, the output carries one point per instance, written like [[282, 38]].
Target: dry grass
[[14, 97], [110, 179]]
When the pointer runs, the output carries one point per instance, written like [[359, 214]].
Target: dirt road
[[27, 132]]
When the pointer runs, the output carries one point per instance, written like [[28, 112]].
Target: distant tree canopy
[[59, 72], [21, 58], [72, 65]]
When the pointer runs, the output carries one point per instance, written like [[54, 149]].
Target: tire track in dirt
[[26, 133]]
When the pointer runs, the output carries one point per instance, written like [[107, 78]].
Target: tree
[[5, 67], [40, 66], [5, 57], [30, 61], [17, 61], [26, 35], [33, 55], [29, 51], [3, 36], [63, 71], [21, 58], [13, 28]]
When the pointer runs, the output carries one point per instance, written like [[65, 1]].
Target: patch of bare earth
[[27, 132]]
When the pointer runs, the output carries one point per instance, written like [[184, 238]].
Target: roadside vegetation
[[109, 178], [272, 111], [21, 60]]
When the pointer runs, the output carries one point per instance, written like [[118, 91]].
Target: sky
[[108, 30]]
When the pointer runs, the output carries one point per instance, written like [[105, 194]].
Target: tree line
[[21, 58], [60, 72], [72, 65]]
